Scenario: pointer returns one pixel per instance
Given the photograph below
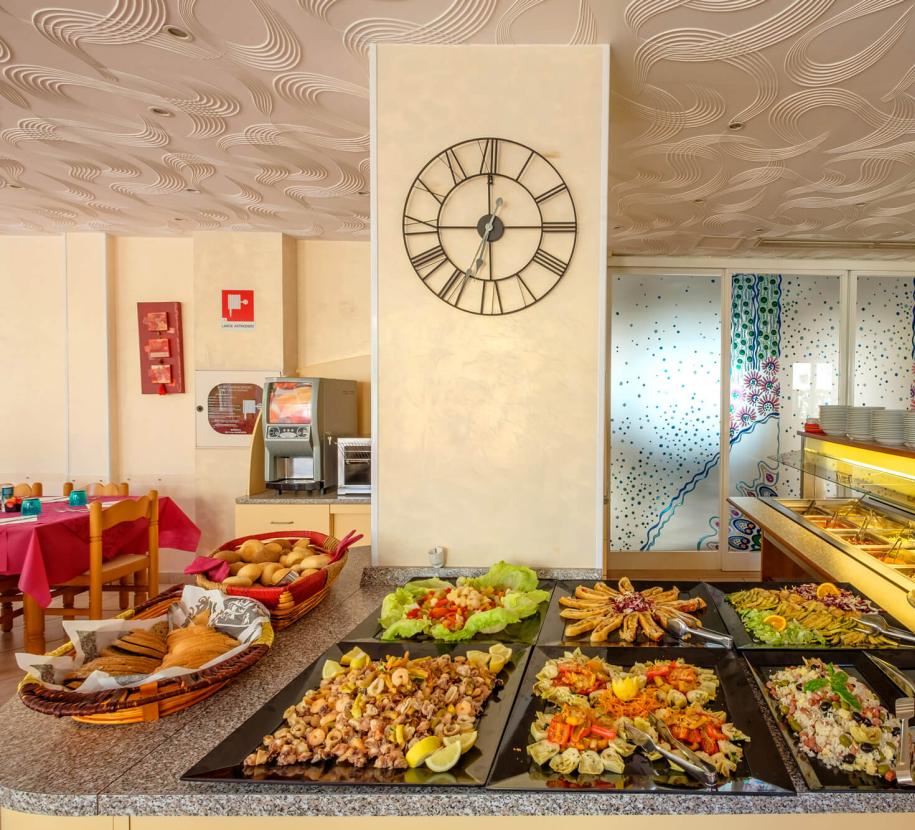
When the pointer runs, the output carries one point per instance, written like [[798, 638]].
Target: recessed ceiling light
[[176, 31], [735, 125], [860, 204], [19, 187], [161, 111], [362, 193], [178, 219], [759, 230], [699, 201], [191, 190], [617, 227]]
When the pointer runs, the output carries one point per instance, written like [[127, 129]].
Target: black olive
[[858, 717], [867, 747], [825, 706], [848, 759], [896, 731], [799, 687]]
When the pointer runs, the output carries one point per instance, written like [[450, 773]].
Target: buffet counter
[[59, 768]]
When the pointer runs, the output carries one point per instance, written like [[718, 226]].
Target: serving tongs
[[905, 711], [697, 769], [875, 624], [681, 630]]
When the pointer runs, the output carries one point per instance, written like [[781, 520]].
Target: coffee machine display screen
[[289, 403]]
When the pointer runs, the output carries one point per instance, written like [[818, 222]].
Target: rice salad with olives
[[836, 718]]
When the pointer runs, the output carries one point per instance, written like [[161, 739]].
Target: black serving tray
[[523, 631], [761, 771], [553, 630], [224, 763], [855, 662], [744, 640]]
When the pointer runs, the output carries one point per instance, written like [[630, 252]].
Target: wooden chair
[[9, 594], [117, 574], [28, 491], [99, 488]]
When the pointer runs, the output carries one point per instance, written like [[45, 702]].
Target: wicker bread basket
[[288, 603], [143, 703]]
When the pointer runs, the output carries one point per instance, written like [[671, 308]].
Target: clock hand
[[487, 230]]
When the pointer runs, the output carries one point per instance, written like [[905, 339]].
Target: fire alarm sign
[[237, 309]]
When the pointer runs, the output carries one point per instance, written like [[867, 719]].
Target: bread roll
[[230, 556], [278, 576], [238, 581], [285, 544], [292, 558], [303, 570], [269, 570], [318, 560], [250, 549], [251, 571], [235, 567], [302, 544]]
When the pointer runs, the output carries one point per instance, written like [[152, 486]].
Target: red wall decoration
[[161, 348]]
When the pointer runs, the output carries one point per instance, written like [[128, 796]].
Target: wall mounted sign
[[227, 405], [489, 226], [237, 309], [161, 348]]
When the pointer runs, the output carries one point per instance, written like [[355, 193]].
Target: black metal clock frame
[[438, 255]]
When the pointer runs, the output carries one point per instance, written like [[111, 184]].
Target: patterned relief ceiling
[[730, 119]]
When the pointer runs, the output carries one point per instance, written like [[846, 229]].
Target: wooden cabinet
[[347, 517], [268, 518], [335, 519]]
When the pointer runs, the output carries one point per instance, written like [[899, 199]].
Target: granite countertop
[[58, 767], [330, 496]]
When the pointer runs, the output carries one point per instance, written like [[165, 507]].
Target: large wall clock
[[489, 226]]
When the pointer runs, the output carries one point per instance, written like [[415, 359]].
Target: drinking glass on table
[[31, 507], [78, 498]]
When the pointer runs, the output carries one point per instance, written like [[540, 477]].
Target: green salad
[[474, 605]]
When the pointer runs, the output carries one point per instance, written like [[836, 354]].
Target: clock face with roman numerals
[[489, 226]]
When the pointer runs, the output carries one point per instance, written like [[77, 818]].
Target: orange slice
[[827, 589], [778, 622]]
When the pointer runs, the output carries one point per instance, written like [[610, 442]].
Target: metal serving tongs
[[875, 624], [676, 626], [905, 711], [700, 771]]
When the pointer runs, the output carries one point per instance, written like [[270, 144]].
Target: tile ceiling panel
[[731, 119]]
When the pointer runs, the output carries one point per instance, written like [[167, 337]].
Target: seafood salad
[[583, 730], [836, 718], [484, 604], [391, 713], [603, 610], [817, 615]]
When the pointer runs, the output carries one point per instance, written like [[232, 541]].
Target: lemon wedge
[[445, 758], [477, 658], [501, 650], [355, 657], [625, 688], [465, 739], [421, 750], [331, 669]]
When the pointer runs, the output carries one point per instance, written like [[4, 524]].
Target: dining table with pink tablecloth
[[55, 548]]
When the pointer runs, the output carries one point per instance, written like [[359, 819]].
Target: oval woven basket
[[143, 703], [288, 603]]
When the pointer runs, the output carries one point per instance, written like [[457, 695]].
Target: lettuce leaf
[[395, 605], [495, 619], [505, 576], [524, 605], [404, 629]]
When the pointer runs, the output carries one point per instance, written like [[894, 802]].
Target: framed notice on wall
[[227, 406]]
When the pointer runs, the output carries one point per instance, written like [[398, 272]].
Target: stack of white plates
[[833, 419], [860, 422], [889, 426], [908, 422]]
